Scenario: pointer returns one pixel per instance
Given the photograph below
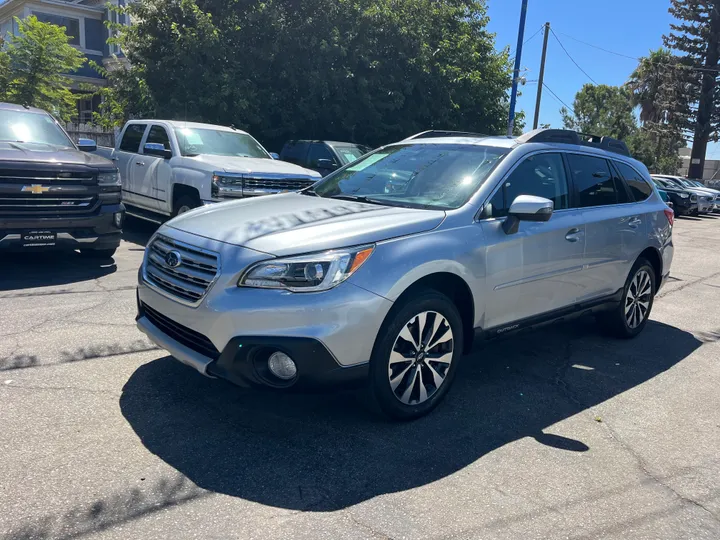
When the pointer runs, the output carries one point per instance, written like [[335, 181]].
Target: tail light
[[670, 215]]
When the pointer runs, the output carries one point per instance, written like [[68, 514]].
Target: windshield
[[215, 142], [441, 176], [31, 127], [349, 153]]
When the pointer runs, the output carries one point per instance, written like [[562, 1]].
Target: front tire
[[630, 317], [416, 355], [185, 204]]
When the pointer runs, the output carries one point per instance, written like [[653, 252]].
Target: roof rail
[[432, 133], [568, 136]]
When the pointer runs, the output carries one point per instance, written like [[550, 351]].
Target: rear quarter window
[[639, 188]]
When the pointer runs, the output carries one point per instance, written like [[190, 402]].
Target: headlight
[[109, 178], [684, 195], [228, 184], [307, 273]]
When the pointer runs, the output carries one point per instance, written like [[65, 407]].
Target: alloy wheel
[[420, 358], [637, 300]]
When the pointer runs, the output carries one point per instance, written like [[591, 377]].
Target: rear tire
[[416, 355], [185, 203], [629, 318]]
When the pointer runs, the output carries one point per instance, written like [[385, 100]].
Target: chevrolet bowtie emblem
[[36, 189]]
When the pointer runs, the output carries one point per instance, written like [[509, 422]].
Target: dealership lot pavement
[[561, 433]]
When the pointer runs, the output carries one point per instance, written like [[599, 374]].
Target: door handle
[[140, 163], [634, 222], [573, 235]]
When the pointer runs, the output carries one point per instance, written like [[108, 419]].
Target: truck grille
[[277, 184], [179, 270], [182, 334], [57, 204]]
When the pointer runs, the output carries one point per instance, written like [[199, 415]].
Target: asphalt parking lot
[[561, 433]]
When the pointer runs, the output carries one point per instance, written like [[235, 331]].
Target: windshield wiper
[[358, 198], [309, 193]]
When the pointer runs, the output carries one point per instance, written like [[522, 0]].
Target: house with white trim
[[84, 22]]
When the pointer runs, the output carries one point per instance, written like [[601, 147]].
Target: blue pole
[[516, 72]]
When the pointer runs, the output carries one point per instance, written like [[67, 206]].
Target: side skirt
[[596, 305]]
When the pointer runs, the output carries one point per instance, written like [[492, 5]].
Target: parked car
[[322, 156], [715, 192], [684, 201], [705, 199], [344, 282], [53, 195], [171, 167]]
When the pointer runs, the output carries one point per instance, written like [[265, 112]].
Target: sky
[[628, 27]]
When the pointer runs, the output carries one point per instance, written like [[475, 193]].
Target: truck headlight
[[683, 195], [307, 273], [109, 178], [226, 185]]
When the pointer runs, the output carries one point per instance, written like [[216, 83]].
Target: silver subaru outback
[[390, 269]]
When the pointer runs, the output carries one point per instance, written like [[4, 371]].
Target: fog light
[[118, 219], [282, 366]]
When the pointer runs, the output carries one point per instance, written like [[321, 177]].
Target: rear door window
[[639, 188], [542, 175], [132, 137], [594, 181]]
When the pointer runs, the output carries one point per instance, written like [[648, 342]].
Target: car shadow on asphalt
[[324, 452], [24, 270], [138, 231]]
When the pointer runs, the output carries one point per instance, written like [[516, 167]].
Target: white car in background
[[169, 167]]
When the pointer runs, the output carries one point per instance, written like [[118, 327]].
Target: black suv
[[52, 194], [684, 202], [322, 156]]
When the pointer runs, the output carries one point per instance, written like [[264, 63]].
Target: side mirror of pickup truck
[[156, 149], [326, 164], [274, 155], [87, 145]]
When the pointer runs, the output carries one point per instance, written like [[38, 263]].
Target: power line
[[571, 58], [637, 59], [568, 107], [528, 39], [599, 48]]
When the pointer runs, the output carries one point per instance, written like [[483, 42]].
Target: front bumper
[[704, 206], [330, 335], [97, 231]]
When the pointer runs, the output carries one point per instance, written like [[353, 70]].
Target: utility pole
[[541, 80], [516, 71]]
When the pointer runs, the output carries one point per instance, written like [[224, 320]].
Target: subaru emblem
[[173, 259]]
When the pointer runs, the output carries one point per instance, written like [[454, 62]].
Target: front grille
[[182, 271], [48, 177], [277, 184], [182, 334], [43, 203]]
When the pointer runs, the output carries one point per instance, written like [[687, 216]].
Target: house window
[[72, 26], [85, 109], [113, 16]]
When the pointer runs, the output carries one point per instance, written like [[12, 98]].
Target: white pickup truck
[[168, 167]]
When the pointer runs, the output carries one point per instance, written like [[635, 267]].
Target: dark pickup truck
[[52, 194]]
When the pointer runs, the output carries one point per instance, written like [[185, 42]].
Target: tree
[[34, 64], [601, 110], [370, 71], [124, 97], [659, 87], [697, 37]]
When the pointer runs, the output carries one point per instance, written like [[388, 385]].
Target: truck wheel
[[98, 253], [416, 355], [185, 204]]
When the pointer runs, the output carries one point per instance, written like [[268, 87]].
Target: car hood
[[254, 165], [292, 223], [50, 153]]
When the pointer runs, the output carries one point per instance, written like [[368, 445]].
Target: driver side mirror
[[326, 164], [274, 155], [527, 208], [86, 145], [157, 149]]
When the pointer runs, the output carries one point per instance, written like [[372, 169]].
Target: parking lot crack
[[687, 284], [645, 468]]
